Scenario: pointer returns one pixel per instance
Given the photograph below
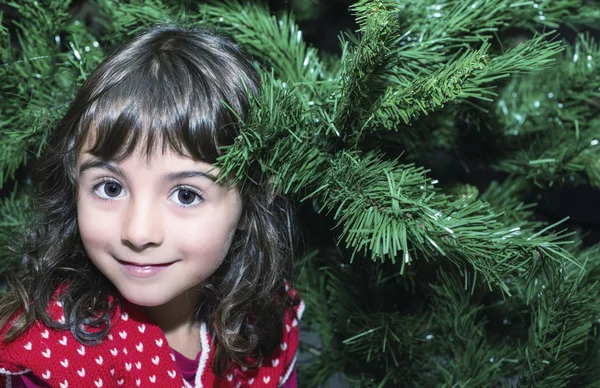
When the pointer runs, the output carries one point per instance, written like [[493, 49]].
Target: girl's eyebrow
[[96, 163], [173, 176]]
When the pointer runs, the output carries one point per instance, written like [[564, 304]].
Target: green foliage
[[13, 215], [45, 58], [545, 13], [559, 101], [307, 10], [126, 18], [276, 41]]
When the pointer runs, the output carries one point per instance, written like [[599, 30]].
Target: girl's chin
[[145, 300], [157, 298]]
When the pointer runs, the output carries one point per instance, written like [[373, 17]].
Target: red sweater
[[134, 354], [187, 367]]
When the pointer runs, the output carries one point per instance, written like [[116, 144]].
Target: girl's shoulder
[[37, 335], [277, 369], [133, 351], [14, 354], [44, 351]]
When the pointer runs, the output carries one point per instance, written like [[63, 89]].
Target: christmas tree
[[409, 280]]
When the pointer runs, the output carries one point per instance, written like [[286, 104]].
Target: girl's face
[[156, 227]]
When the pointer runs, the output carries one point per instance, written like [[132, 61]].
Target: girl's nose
[[142, 226]]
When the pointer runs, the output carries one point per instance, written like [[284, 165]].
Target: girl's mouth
[[143, 270]]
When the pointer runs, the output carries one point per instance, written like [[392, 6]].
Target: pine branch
[[506, 195], [456, 24], [468, 355], [432, 33], [275, 141], [554, 112], [423, 96], [409, 95], [439, 131], [278, 41], [392, 345], [125, 18], [40, 75], [553, 14], [533, 55], [557, 159], [365, 64], [561, 322], [445, 124], [41, 24], [382, 211], [355, 317], [462, 22], [470, 77], [590, 258], [380, 206]]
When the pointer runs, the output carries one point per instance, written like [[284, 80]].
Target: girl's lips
[[143, 270]]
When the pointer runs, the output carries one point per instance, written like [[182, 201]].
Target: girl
[[144, 267]]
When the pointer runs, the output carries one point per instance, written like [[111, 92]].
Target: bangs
[[159, 106]]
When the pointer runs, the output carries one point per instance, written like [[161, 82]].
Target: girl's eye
[[186, 197], [109, 190]]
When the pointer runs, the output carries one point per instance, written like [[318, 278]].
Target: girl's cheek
[[205, 238], [94, 224]]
